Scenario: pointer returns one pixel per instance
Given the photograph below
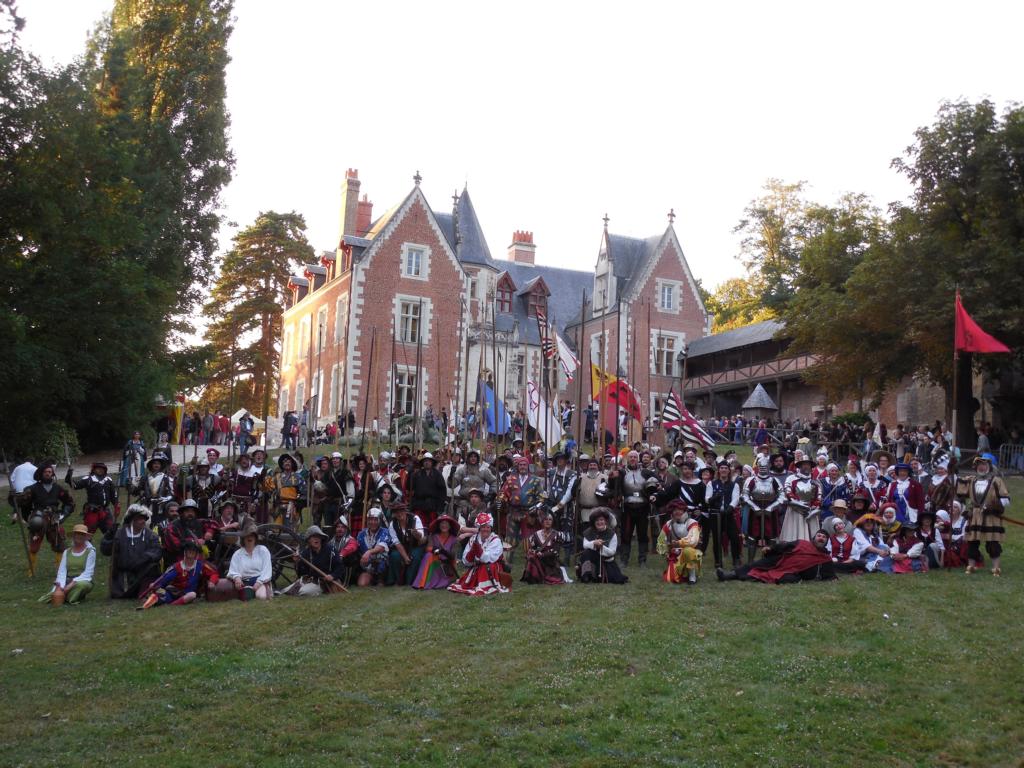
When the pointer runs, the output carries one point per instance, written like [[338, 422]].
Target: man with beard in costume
[[469, 477]]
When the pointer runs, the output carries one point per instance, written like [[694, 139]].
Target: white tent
[[258, 424]]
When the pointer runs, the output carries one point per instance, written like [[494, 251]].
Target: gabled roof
[[629, 255], [739, 337], [531, 284], [759, 398], [464, 234], [297, 280]]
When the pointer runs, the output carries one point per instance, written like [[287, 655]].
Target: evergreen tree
[[246, 307], [110, 173]]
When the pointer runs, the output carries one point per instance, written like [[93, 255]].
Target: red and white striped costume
[[484, 559]]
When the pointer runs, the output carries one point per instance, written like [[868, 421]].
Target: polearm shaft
[[17, 514], [366, 398]]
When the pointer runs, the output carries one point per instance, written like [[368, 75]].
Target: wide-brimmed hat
[[80, 528], [228, 503], [427, 456], [435, 527], [988, 458], [249, 530], [96, 464], [315, 530], [188, 504], [478, 491], [903, 465], [805, 460], [38, 474], [214, 451], [876, 455], [868, 516], [604, 512], [342, 520], [164, 461], [258, 449], [283, 456], [136, 510], [484, 518], [839, 504]]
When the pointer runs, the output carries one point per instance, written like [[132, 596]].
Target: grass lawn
[[866, 671]]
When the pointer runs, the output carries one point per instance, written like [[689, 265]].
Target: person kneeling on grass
[[250, 574], [788, 562], [542, 553], [74, 576], [678, 542], [184, 581], [908, 554], [597, 563], [317, 565], [407, 538], [841, 546], [374, 545], [484, 557]]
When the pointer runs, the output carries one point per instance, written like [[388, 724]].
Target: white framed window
[[340, 318], [332, 408], [657, 403], [300, 395], [303, 347], [314, 393], [601, 291], [405, 390], [285, 404], [409, 321], [668, 295], [321, 328], [415, 261], [286, 348], [472, 287], [664, 355], [520, 369]]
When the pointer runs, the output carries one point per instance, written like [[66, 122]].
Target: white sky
[[556, 113]]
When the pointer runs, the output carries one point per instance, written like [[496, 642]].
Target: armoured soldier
[[155, 490], [765, 495], [471, 476], [635, 508], [804, 495], [202, 486], [562, 482], [50, 504], [101, 507]]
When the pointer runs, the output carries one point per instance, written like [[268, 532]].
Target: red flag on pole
[[970, 337]]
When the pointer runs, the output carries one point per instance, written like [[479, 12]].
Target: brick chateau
[[420, 292]]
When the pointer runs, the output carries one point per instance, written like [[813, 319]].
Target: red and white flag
[[675, 416]]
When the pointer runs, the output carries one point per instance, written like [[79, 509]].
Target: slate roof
[[628, 256], [740, 337], [759, 398], [566, 286]]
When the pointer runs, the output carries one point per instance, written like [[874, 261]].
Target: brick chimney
[[364, 216], [522, 249], [350, 203]]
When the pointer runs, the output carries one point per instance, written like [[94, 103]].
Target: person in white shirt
[[22, 476], [250, 573]]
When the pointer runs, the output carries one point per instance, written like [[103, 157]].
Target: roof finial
[[671, 216], [417, 178], [455, 199], [606, 220]]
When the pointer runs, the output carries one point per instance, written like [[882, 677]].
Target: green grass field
[[866, 671]]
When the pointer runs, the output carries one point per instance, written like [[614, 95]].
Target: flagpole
[[615, 370], [956, 366], [579, 389], [603, 391]]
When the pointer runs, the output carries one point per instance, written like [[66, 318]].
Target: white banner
[[541, 417]]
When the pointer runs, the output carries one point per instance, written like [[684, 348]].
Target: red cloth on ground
[[803, 556]]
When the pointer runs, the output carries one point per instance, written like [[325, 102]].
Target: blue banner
[[486, 398]]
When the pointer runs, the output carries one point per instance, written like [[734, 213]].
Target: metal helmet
[[603, 491], [36, 522], [763, 466]]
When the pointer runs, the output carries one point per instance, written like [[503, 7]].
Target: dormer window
[[537, 300], [503, 294]]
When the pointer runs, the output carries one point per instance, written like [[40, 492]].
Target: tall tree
[[246, 307], [104, 204], [772, 228], [736, 303]]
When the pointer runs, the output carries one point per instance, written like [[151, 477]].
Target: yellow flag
[[599, 380]]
